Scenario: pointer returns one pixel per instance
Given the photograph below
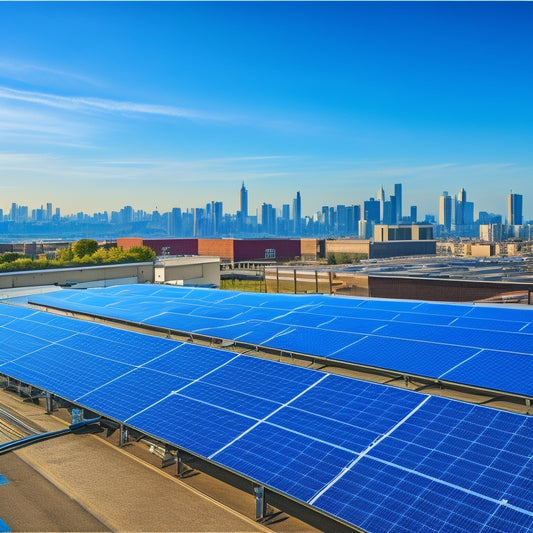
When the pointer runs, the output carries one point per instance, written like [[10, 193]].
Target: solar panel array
[[376, 457], [480, 346]]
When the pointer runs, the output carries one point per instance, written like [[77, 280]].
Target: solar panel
[[367, 454], [427, 339], [500, 371]]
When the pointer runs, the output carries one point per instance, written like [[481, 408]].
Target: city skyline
[[453, 210], [162, 104]]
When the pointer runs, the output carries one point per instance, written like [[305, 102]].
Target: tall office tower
[[381, 199], [244, 201], [514, 209], [353, 215], [398, 202], [174, 222], [13, 214], [218, 216], [341, 220], [297, 214], [268, 219], [48, 211], [371, 216], [460, 201], [413, 214], [445, 211], [325, 218]]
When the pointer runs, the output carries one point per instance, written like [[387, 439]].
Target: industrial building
[[236, 250], [185, 270]]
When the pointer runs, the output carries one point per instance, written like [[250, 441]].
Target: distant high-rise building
[[413, 214], [268, 219], [297, 214], [244, 201], [514, 209], [381, 199], [445, 211], [174, 222], [460, 202], [371, 217], [398, 201], [48, 211]]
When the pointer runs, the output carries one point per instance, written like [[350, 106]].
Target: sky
[[175, 104]]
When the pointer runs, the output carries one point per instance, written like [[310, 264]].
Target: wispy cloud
[[91, 105], [31, 73]]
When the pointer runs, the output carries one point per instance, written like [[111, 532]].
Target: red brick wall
[[128, 242], [249, 249], [222, 248], [177, 246]]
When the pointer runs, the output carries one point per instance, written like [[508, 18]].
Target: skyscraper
[[244, 201], [514, 209], [297, 213], [460, 205], [381, 199], [445, 211], [398, 201]]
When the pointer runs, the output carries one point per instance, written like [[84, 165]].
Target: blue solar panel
[[439, 308], [121, 398], [495, 340], [527, 329], [64, 371], [360, 404], [322, 343], [489, 324], [500, 371], [502, 313], [294, 464], [262, 378], [368, 454], [419, 318], [190, 361], [40, 331], [356, 325], [182, 322], [332, 327], [194, 426], [14, 311], [390, 305], [413, 357]]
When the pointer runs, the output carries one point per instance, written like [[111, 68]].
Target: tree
[[9, 257], [84, 247], [65, 255], [142, 253]]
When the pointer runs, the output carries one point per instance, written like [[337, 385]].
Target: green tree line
[[82, 253]]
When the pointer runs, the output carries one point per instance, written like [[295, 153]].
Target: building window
[[270, 253]]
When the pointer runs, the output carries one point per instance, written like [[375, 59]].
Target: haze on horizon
[[166, 104]]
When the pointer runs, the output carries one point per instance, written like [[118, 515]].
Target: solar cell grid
[[322, 343], [276, 321], [194, 426], [14, 311], [495, 340], [231, 400], [489, 324], [413, 357], [289, 462], [499, 371], [40, 331], [426, 463], [121, 398]]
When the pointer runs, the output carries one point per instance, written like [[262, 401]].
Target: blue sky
[[158, 105]]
